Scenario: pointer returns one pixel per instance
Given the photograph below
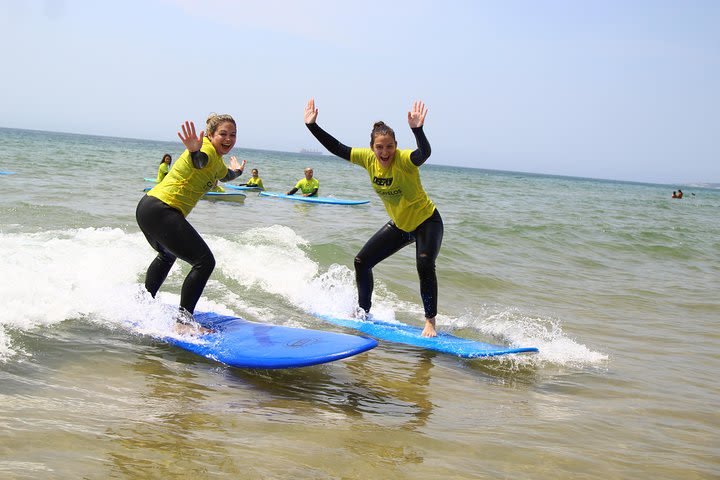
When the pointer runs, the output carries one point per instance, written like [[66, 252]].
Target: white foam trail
[[93, 274], [522, 330]]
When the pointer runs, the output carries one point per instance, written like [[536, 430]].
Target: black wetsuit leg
[[428, 239], [172, 236], [386, 241]]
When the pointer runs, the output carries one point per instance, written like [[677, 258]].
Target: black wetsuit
[[171, 235]]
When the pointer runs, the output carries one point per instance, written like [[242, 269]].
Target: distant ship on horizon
[[307, 151]]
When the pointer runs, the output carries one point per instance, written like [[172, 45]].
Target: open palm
[[311, 112], [188, 137], [416, 116]]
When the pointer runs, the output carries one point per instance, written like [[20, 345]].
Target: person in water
[[395, 176], [164, 167], [161, 213], [308, 186], [679, 194], [254, 181]]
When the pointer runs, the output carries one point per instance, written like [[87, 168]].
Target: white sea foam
[[94, 274], [90, 273], [516, 328], [281, 266]]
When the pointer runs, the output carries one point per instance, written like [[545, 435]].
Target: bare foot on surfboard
[[429, 330], [185, 324], [189, 329]]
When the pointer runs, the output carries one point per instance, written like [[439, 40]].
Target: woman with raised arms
[[395, 176], [161, 214]]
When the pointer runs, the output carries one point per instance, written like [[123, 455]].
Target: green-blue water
[[616, 284]]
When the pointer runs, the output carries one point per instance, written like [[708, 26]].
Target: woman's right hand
[[311, 112], [188, 137]]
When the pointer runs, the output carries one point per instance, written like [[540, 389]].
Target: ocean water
[[615, 283]]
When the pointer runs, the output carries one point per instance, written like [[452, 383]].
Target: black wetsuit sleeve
[[199, 159], [329, 142], [423, 151], [292, 192], [231, 175]]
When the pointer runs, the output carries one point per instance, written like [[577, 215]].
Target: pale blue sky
[[626, 90]]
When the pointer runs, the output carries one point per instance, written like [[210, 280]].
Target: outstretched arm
[[327, 140], [416, 120], [235, 170]]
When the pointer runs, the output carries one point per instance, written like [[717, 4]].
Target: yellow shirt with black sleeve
[[398, 186], [162, 171], [184, 185], [255, 182], [307, 186]]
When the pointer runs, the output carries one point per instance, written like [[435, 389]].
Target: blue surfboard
[[240, 187], [7, 173], [328, 200], [241, 343], [410, 335], [153, 180]]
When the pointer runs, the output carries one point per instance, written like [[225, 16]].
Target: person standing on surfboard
[[308, 186], [395, 176], [161, 214]]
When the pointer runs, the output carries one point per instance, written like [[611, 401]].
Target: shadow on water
[[373, 387]]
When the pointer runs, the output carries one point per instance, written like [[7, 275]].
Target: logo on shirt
[[383, 182]]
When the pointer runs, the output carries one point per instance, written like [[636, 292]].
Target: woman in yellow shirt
[[164, 167], [394, 175], [161, 214], [254, 180]]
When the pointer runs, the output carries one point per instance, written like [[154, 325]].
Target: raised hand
[[311, 112], [188, 137], [235, 165], [416, 117]]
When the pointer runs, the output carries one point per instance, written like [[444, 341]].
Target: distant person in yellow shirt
[[308, 186], [164, 167], [254, 181], [395, 177]]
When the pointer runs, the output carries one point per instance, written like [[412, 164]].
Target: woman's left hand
[[235, 165], [416, 117]]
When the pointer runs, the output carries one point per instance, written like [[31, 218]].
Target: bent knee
[[206, 262], [425, 263], [359, 263]]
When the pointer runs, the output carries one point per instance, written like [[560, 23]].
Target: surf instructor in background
[[395, 176], [161, 214], [308, 186]]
